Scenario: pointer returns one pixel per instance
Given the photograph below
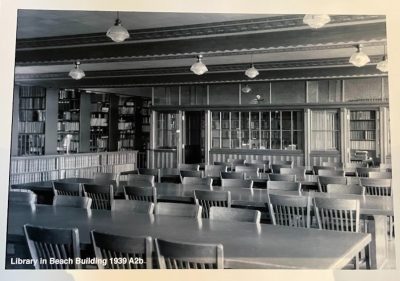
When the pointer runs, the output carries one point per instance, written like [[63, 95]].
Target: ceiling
[[164, 45]]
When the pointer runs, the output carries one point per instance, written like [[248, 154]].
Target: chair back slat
[[137, 250], [147, 193], [141, 180], [240, 183], [345, 189], [376, 186], [232, 175], [197, 181], [214, 171], [66, 188], [317, 168], [284, 185], [234, 214], [182, 255], [22, 197], [331, 173], [178, 210], [191, 174], [150, 172], [188, 167], [101, 195], [363, 172], [380, 175], [276, 168], [72, 201], [207, 199], [336, 165], [291, 211], [247, 171], [46, 243], [280, 177]]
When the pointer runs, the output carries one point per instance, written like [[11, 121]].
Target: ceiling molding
[[209, 78], [249, 26], [303, 64]]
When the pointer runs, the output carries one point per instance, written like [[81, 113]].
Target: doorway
[[194, 137]]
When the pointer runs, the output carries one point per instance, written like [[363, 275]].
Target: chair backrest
[[134, 206], [385, 167], [337, 214], [45, 243], [276, 168], [72, 201], [219, 163], [331, 173], [101, 195], [197, 181], [324, 181], [149, 172], [214, 170], [188, 167], [317, 168], [234, 214], [237, 183], [378, 187], [263, 165], [178, 210], [363, 172], [380, 175], [232, 175], [208, 198], [345, 189], [299, 172], [235, 162], [247, 171], [66, 188], [289, 210], [280, 177], [191, 174], [22, 197], [355, 165], [146, 193], [110, 246], [284, 185], [181, 255], [168, 171], [337, 165], [141, 180], [284, 162]]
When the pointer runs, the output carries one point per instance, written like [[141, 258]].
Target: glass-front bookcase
[[166, 130], [257, 130]]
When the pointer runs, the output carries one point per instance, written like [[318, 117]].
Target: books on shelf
[[31, 127]]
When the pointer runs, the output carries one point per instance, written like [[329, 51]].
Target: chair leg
[[357, 262]]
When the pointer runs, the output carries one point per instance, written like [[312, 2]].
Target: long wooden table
[[246, 245]]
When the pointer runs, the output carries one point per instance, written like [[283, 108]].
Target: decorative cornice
[[258, 25], [299, 64]]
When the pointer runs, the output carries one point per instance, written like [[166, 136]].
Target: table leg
[[377, 226]]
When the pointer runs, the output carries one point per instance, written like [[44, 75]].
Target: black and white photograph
[[177, 140]]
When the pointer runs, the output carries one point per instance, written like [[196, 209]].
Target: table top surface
[[246, 245]]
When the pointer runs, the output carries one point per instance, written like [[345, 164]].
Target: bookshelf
[[68, 120], [99, 122], [363, 131], [145, 115], [126, 123], [31, 121], [81, 165]]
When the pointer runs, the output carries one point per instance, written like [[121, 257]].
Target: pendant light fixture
[[199, 68], [76, 73], [246, 89], [251, 72], [383, 64], [359, 58], [316, 21], [117, 32]]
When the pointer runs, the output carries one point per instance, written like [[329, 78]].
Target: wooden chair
[[276, 168], [234, 214], [178, 210], [207, 199], [378, 187], [363, 172], [134, 206], [385, 167], [380, 175], [262, 165], [336, 165], [291, 211], [109, 246], [299, 172], [171, 175], [232, 175], [280, 177], [197, 181], [141, 180], [235, 162], [284, 185], [324, 181], [331, 173], [189, 167], [72, 201], [58, 243], [150, 172], [22, 197], [248, 171], [337, 214], [190, 174], [101, 195], [181, 255], [317, 168], [219, 163], [284, 162], [214, 171], [66, 188], [345, 189], [146, 193], [237, 183]]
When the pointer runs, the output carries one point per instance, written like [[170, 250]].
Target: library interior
[[193, 140]]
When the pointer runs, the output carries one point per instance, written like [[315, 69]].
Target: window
[[258, 130], [324, 130]]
